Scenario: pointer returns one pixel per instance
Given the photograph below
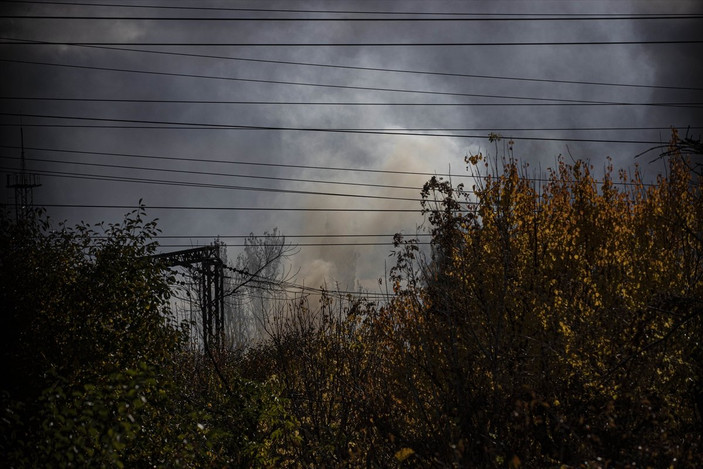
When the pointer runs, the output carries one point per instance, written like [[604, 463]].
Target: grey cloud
[[647, 65]]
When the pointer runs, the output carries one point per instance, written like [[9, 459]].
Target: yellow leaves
[[565, 329], [567, 278], [557, 299], [597, 300], [403, 454], [473, 159]]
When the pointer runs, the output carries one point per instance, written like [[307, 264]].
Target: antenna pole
[[23, 183]]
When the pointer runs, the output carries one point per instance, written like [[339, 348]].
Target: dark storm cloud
[[678, 66], [640, 64]]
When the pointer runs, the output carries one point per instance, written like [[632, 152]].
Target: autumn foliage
[[554, 322]]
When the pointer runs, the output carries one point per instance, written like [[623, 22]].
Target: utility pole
[[23, 183]]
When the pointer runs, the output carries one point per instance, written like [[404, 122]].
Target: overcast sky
[[465, 91]]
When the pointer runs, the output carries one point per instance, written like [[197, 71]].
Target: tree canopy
[[552, 323]]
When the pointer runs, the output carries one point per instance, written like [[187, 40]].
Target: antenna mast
[[23, 183]]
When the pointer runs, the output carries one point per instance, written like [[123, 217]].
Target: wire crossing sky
[[325, 118]]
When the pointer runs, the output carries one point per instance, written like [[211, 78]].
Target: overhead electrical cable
[[369, 129], [235, 209], [324, 130], [488, 17], [368, 44], [220, 174], [103, 177], [261, 279], [287, 285], [206, 185], [316, 11], [552, 101], [260, 164], [302, 245], [286, 236], [342, 67], [229, 162]]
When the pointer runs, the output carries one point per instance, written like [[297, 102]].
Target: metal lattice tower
[[210, 268], [23, 183]]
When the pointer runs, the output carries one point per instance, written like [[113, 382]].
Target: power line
[[318, 11], [557, 101], [466, 18], [371, 132], [391, 131], [368, 44], [234, 209], [258, 280], [220, 174], [325, 130], [231, 162], [286, 236], [302, 245], [100, 177], [212, 185], [217, 174], [295, 289], [288, 284], [260, 164], [551, 101], [129, 179], [341, 67]]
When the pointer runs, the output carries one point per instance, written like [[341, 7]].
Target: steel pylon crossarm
[[210, 267]]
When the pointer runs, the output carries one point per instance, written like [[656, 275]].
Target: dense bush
[[88, 348]]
